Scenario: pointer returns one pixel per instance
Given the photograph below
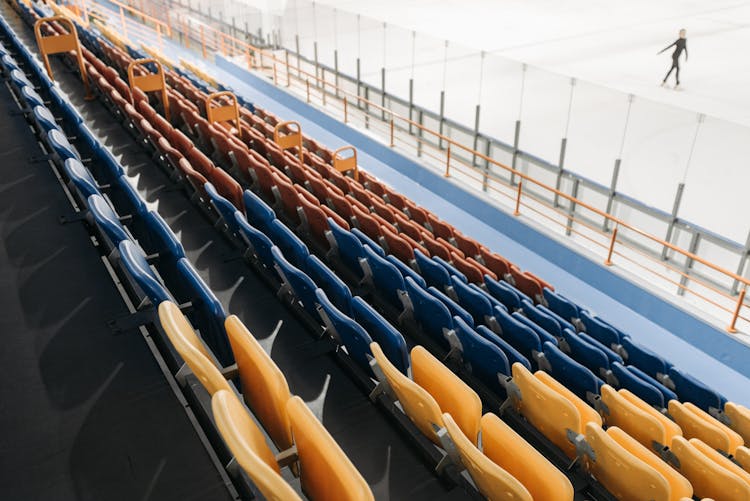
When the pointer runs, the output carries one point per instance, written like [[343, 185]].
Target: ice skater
[[679, 45]]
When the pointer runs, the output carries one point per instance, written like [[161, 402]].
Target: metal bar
[[741, 299], [518, 199], [608, 262]]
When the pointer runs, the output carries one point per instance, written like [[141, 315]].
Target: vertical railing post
[[203, 42], [288, 74], [307, 85], [608, 262], [275, 79], [518, 199], [122, 20], [741, 299], [448, 161], [346, 109], [392, 131]]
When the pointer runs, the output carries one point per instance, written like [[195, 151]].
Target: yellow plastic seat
[[452, 395], [510, 451], [624, 475], [492, 481], [586, 412], [679, 485], [325, 471], [696, 423], [248, 445], [720, 459], [634, 421], [742, 456], [671, 428], [708, 478], [264, 386], [547, 410], [191, 348], [419, 405], [739, 417]]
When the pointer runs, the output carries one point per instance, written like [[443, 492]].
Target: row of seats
[[325, 470], [621, 390]]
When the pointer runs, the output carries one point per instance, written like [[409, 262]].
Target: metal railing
[[413, 130]]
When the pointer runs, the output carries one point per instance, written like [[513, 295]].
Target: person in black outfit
[[679, 45]]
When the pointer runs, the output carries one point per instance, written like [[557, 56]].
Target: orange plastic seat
[[709, 479], [643, 426], [739, 419], [696, 423]]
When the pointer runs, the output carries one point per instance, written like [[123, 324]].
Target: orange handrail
[[293, 139], [150, 82], [223, 112], [345, 164], [56, 44]]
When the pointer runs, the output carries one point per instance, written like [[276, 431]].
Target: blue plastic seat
[[386, 278], [9, 63], [430, 313], [129, 196], [689, 389], [561, 305], [19, 79], [611, 354], [599, 329], [44, 119], [541, 318], [223, 207], [543, 334], [666, 392], [572, 374], [351, 335], [107, 220], [368, 241], [433, 273], [564, 324], [484, 359], [70, 115], [642, 389], [455, 308], [503, 292], [300, 284], [159, 239], [258, 242], [60, 144], [207, 313], [585, 353], [259, 214], [452, 270], [512, 354], [406, 271], [474, 301], [293, 248], [518, 335], [383, 333], [31, 96], [81, 179], [349, 249], [645, 359], [136, 266], [336, 290], [106, 161]]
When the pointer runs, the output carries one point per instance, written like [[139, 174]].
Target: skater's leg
[[668, 73], [677, 73]]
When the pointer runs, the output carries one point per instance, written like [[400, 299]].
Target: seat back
[[599, 330], [514, 356], [474, 301], [739, 419], [623, 474], [720, 459], [708, 478], [510, 451], [696, 423], [491, 479], [588, 355], [671, 428], [107, 220], [191, 348], [547, 410], [294, 249], [302, 286], [573, 375], [135, 264], [382, 332], [264, 386], [259, 214], [689, 389], [387, 279], [417, 403], [325, 471], [432, 315], [336, 290], [643, 358], [248, 446], [256, 239], [503, 292], [433, 273], [356, 340], [486, 360], [452, 395], [636, 422], [643, 389]]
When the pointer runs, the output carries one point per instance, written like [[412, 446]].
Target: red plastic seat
[[342, 205], [435, 247], [406, 226], [498, 264], [220, 142], [468, 246], [266, 179], [289, 197], [139, 95], [195, 179], [275, 155], [227, 188], [470, 269], [543, 283], [177, 138], [122, 88], [418, 214], [316, 219], [382, 209], [366, 223], [397, 245], [527, 284], [150, 132], [173, 154], [338, 219], [316, 185], [440, 228], [397, 200], [414, 244], [200, 162]]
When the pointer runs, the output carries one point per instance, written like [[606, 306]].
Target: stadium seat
[[485, 360], [296, 283], [248, 446], [345, 330], [738, 419], [81, 180], [191, 348], [624, 475], [666, 392], [386, 278], [503, 292], [433, 273], [367, 241], [584, 353], [696, 423], [721, 459], [44, 119], [519, 336], [294, 249], [491, 479], [264, 387], [325, 471], [467, 245], [134, 262], [708, 478], [543, 334], [561, 305], [223, 207], [259, 214], [388, 337], [507, 449], [259, 244], [350, 251], [599, 330], [512, 354], [397, 245], [572, 374], [642, 389], [646, 360], [563, 323], [430, 313], [689, 389], [107, 220], [474, 301]]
